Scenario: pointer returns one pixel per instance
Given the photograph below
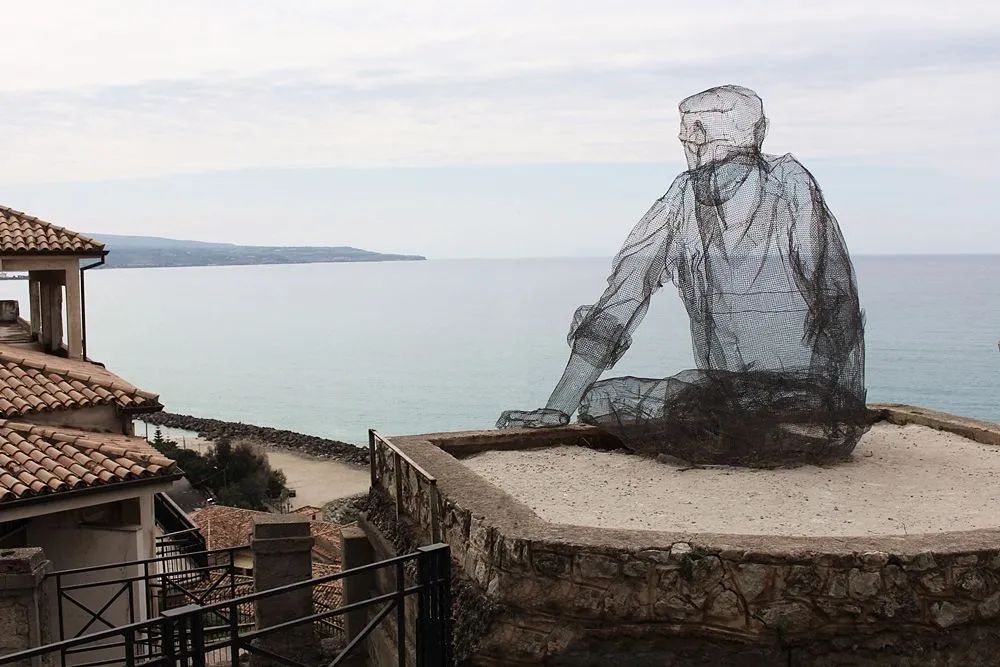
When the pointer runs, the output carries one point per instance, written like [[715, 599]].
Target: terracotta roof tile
[[227, 527], [327, 596], [40, 460], [22, 234], [310, 511], [32, 381]]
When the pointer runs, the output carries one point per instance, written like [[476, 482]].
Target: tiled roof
[[41, 460], [32, 381], [224, 527], [22, 234], [227, 527], [310, 511], [329, 595]]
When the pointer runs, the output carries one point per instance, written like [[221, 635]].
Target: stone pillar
[[356, 551], [74, 312], [282, 555], [24, 617], [9, 311], [35, 304], [51, 307]]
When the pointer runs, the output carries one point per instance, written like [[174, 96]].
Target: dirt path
[[318, 481]]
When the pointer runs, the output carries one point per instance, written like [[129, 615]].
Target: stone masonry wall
[[588, 596], [23, 601]]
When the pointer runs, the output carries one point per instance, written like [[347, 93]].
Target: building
[[231, 528], [74, 479], [52, 257]]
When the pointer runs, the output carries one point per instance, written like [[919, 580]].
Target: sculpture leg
[[758, 419]]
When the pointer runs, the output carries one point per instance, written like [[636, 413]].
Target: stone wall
[[581, 596], [381, 646], [214, 429], [24, 622]]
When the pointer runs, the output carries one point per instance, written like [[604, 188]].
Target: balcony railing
[[201, 634]]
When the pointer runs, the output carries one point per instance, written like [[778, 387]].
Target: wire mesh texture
[[776, 327]]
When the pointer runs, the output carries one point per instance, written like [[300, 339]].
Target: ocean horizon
[[447, 344]]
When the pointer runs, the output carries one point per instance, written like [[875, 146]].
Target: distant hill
[[152, 251]]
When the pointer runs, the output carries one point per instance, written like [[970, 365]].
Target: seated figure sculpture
[[776, 327]]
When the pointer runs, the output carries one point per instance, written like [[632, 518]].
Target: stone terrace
[[572, 595]]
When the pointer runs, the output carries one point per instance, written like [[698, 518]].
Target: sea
[[444, 345]]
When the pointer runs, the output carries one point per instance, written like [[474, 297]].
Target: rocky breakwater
[[267, 437]]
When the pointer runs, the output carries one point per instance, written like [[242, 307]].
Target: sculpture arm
[[600, 334], [824, 274]]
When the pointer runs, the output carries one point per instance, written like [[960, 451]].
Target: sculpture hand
[[540, 418]]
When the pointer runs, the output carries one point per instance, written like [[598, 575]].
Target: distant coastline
[[132, 252]]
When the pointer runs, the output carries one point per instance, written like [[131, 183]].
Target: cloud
[[457, 129], [165, 88]]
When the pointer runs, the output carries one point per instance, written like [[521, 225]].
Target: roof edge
[[90, 490]]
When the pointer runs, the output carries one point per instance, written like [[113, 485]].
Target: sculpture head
[[720, 123]]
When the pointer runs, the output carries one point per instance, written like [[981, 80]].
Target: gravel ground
[[900, 480]]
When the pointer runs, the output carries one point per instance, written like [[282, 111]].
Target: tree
[[248, 479], [238, 475]]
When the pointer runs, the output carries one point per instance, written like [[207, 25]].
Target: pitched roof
[[22, 234], [224, 527], [329, 595], [32, 382], [227, 527], [40, 460]]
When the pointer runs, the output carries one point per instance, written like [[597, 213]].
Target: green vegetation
[[689, 560], [236, 475]]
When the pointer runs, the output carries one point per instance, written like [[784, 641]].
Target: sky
[[486, 129]]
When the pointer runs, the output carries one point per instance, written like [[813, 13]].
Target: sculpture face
[[699, 150]]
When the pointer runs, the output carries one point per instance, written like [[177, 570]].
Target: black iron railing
[[205, 632], [181, 534], [144, 588], [106, 597], [134, 645], [431, 585]]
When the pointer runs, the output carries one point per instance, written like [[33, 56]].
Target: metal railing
[[376, 445], [182, 535], [134, 645], [198, 635], [103, 598]]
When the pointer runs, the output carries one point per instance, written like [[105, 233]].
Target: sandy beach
[[316, 481]]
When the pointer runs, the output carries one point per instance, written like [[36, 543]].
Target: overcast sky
[[486, 129]]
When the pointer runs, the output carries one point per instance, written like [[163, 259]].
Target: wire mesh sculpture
[[776, 326]]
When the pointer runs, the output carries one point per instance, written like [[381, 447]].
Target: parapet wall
[[573, 595], [24, 621]]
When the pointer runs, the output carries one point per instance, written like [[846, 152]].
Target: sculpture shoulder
[[678, 186], [787, 169]]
